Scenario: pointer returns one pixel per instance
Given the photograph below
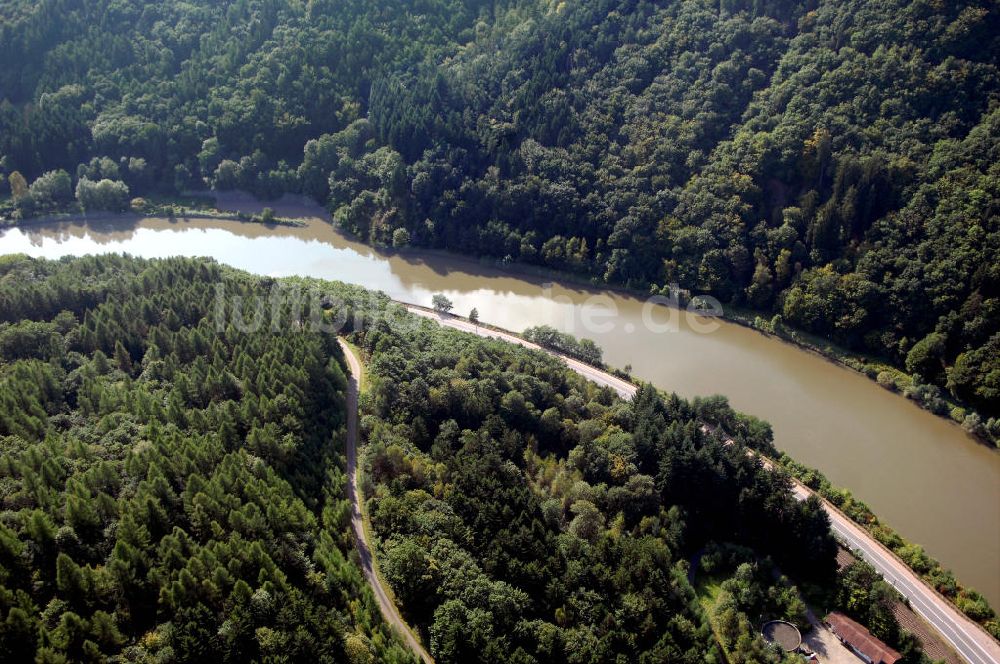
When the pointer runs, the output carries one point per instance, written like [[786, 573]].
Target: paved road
[[389, 611], [624, 388], [967, 638]]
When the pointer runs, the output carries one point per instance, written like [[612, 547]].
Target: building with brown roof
[[860, 640]]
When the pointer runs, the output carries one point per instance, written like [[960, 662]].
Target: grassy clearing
[[708, 587]]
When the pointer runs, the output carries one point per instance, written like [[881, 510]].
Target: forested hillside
[[170, 491], [830, 161], [172, 488], [527, 515], [524, 514]]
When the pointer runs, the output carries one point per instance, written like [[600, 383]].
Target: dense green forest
[[831, 162], [525, 514], [172, 487], [169, 490]]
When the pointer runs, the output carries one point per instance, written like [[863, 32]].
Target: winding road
[[968, 639], [385, 603]]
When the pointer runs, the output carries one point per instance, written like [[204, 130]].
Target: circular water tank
[[784, 633]]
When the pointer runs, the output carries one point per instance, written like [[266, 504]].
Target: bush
[[974, 605], [584, 350], [973, 424], [52, 189], [887, 380], [111, 195], [993, 428], [400, 238]]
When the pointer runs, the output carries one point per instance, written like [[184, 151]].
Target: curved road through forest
[[389, 611], [967, 638]]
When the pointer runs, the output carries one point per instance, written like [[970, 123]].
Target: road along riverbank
[[970, 641], [922, 475]]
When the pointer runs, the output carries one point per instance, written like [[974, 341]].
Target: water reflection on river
[[923, 475]]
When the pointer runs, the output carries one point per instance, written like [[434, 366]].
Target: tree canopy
[[834, 162], [523, 513], [172, 489]]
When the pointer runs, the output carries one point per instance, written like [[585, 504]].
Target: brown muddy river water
[[921, 474]]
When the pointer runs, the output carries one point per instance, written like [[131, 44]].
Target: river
[[921, 474]]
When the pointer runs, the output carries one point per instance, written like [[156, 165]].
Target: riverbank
[[853, 527], [170, 207], [880, 370], [943, 581], [923, 475], [928, 397]]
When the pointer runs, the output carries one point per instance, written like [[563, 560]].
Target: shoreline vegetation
[[193, 206], [967, 600], [895, 379], [928, 397], [890, 377]]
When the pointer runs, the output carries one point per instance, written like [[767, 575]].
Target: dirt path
[[826, 645], [389, 611]]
